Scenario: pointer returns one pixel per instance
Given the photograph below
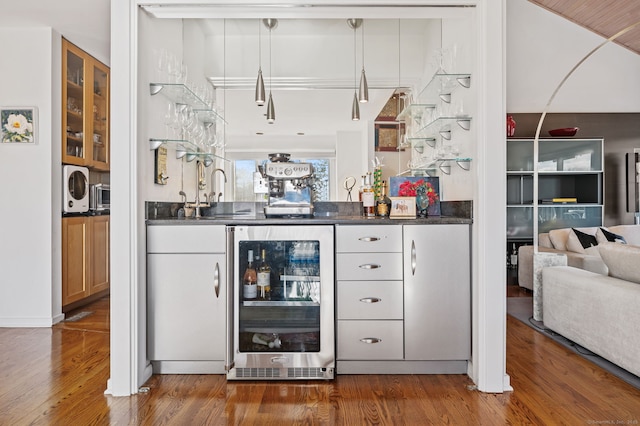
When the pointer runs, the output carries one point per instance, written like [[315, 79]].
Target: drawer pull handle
[[370, 266], [370, 300], [369, 239], [370, 340]]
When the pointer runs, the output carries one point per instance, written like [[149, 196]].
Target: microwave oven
[[99, 197]]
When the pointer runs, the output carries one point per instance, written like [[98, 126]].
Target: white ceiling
[[86, 23]]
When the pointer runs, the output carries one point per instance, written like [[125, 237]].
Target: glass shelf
[[181, 94], [442, 85], [463, 163], [439, 125], [185, 148], [290, 302], [414, 111]]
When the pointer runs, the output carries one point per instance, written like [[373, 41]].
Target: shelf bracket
[[464, 81], [464, 163], [464, 123], [155, 88], [445, 167], [155, 144], [446, 134], [446, 97]]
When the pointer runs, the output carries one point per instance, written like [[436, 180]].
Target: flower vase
[[422, 201]]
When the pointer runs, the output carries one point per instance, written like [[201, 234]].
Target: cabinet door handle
[[370, 300], [370, 340], [216, 279], [413, 257], [369, 239], [370, 266]]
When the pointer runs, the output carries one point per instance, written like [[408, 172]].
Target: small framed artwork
[[18, 124], [403, 208]]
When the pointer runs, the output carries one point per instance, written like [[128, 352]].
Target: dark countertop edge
[[88, 214], [338, 220]]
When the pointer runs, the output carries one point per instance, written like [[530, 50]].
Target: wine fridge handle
[[370, 300], [216, 279], [413, 257]]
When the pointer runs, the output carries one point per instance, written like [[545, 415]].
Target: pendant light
[[271, 111], [355, 106], [260, 82], [363, 93]]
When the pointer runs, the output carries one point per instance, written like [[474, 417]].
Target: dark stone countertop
[[328, 213]]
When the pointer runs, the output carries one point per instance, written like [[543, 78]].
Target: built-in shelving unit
[[570, 185]]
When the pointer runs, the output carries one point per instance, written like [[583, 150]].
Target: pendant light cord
[[270, 74], [355, 61], [259, 45], [362, 44]]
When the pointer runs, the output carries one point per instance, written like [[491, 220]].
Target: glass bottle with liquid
[[250, 279], [368, 197], [264, 277], [383, 203]]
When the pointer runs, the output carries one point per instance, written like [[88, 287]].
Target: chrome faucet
[[212, 194], [199, 184]]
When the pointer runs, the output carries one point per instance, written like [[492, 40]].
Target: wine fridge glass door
[[283, 315]]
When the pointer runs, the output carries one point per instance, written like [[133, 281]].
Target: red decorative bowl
[[566, 131]]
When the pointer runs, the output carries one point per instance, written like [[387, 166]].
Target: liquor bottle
[[264, 277], [368, 197], [250, 278], [383, 203]]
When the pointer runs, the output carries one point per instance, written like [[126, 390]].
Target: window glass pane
[[244, 180], [320, 184]]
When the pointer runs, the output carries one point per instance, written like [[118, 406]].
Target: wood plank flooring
[[57, 377]]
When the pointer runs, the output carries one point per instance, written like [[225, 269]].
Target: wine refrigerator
[[284, 329]]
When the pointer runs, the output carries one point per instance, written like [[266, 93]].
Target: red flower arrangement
[[410, 189]]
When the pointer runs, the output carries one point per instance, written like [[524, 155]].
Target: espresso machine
[[289, 187]]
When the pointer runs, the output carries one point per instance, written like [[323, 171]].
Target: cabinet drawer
[[368, 238], [369, 300], [369, 266], [186, 239], [370, 340]]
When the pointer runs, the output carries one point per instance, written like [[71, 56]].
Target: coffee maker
[[289, 187]]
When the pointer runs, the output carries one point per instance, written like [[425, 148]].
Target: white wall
[[30, 189], [543, 47]]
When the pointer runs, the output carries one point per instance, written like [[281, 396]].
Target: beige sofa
[[598, 312], [564, 241]]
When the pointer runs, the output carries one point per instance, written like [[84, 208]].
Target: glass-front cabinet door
[[283, 291], [100, 117], [85, 106], [74, 130]]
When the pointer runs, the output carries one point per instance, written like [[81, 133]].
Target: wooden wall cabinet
[[85, 109], [85, 259]]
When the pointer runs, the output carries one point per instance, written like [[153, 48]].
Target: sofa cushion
[[603, 235], [622, 260], [559, 237], [631, 233], [577, 241]]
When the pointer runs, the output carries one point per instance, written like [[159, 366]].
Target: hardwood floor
[[58, 376]]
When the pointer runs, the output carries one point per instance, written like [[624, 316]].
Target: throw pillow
[[622, 260], [603, 235], [578, 241]]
